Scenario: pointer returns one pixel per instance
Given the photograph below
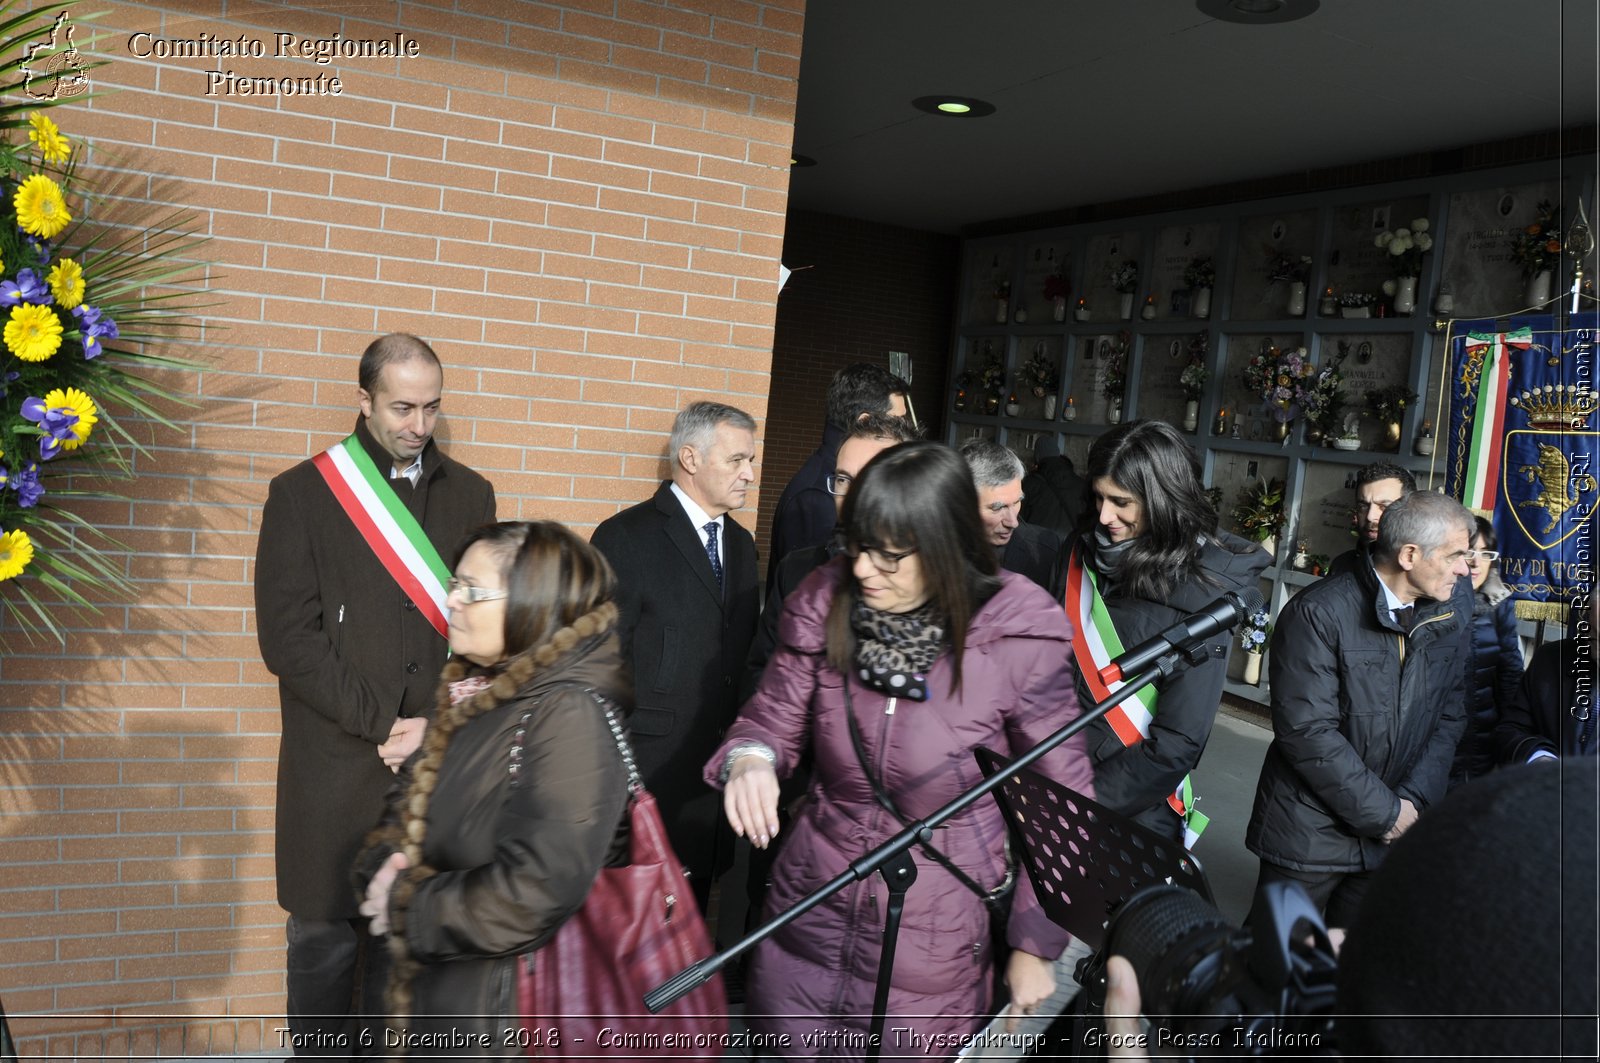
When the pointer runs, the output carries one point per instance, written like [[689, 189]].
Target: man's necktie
[[711, 552], [1406, 616]]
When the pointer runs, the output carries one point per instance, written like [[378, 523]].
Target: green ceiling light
[[954, 106], [1257, 12]]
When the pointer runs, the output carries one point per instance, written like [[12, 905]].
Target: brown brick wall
[[580, 204], [868, 289]]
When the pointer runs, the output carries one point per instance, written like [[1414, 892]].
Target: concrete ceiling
[[1119, 99]]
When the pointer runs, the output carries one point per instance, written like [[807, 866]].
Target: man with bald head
[[350, 575]]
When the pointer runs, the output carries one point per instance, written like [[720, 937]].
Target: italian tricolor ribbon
[[1479, 488], [388, 527], [1095, 647]]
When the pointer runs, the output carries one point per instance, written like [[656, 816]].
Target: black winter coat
[[1540, 713], [1135, 780], [1053, 496], [1496, 670], [1363, 714]]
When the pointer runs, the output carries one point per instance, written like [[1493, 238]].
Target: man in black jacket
[[1026, 549], [1368, 702], [805, 513], [688, 593], [1054, 495]]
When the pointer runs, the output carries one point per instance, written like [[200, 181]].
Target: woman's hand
[[376, 906], [1031, 979], [751, 799]]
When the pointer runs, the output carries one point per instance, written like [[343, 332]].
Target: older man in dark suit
[[687, 588]]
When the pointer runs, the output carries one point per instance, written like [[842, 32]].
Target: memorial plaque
[[989, 270], [1484, 279], [1376, 360], [1175, 247], [1105, 252], [1159, 393], [1031, 406], [1262, 239], [1235, 473], [1044, 260], [1096, 361], [1355, 262], [1248, 416], [1327, 508]]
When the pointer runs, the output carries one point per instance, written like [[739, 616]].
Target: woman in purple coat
[[917, 637]]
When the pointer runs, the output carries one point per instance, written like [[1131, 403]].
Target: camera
[[1210, 989]]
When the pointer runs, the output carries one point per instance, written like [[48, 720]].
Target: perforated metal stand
[[1084, 859]]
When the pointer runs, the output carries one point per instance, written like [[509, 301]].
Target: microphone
[[1220, 615]]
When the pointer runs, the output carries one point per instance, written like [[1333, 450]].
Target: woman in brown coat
[[517, 797]]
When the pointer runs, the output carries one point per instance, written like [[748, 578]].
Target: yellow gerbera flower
[[16, 550], [52, 145], [33, 333], [79, 403], [41, 208], [66, 283]]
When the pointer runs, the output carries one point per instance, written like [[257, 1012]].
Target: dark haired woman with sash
[[1153, 556]]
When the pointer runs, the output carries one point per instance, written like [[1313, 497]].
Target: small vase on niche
[[1329, 306], [1391, 436], [1002, 311], [1424, 444], [1114, 412], [1050, 407], [1280, 430], [1252, 667], [1405, 295], [991, 403], [1297, 298], [1537, 290], [1200, 302], [1191, 415], [961, 400], [1060, 308], [1071, 412], [1022, 314], [1125, 305], [1081, 311], [1147, 312], [1012, 406]]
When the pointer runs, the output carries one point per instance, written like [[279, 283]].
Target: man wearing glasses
[[350, 587]]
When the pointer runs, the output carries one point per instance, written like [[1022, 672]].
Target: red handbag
[[582, 993]]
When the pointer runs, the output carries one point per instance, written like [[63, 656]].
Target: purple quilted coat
[[815, 977]]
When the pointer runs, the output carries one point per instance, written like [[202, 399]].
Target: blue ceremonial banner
[[1523, 443]]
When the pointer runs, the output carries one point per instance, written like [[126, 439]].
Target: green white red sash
[[387, 526], [1096, 645], [1480, 486]]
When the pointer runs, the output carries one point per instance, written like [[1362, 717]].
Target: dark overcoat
[[687, 642], [352, 655]]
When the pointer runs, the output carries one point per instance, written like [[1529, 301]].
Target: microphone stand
[[893, 861]]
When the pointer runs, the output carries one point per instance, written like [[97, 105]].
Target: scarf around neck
[[894, 651]]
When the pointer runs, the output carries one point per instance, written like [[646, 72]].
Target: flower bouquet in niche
[[1324, 402], [1281, 379], [1538, 247], [1038, 374], [1406, 247], [1258, 515], [1254, 633], [77, 305]]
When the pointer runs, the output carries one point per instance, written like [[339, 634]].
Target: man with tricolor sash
[[350, 581]]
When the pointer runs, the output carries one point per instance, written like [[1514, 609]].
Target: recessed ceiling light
[[801, 160], [1257, 12], [953, 106]]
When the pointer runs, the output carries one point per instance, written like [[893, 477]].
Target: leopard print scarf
[[894, 651]]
